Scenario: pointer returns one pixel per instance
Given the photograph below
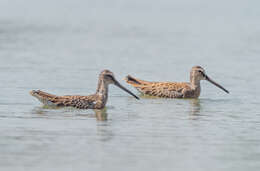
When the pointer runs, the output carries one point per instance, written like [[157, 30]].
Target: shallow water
[[61, 47]]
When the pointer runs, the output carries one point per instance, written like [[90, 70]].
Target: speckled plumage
[[173, 89], [95, 101]]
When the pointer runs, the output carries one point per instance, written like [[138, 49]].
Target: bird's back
[[159, 89], [83, 102]]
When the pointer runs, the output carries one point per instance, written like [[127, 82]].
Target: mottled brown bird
[[95, 101], [174, 89]]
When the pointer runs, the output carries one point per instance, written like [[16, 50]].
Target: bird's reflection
[[101, 115], [104, 130], [195, 108]]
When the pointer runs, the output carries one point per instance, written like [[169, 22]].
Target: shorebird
[[95, 101], [174, 89]]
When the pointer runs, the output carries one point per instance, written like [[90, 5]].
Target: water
[[61, 47]]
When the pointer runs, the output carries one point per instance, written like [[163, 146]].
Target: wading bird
[[95, 101], [174, 89]]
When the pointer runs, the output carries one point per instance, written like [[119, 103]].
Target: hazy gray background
[[61, 46]]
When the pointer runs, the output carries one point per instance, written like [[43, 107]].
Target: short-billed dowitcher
[[174, 89], [95, 101]]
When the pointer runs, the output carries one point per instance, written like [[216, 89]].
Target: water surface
[[60, 47]]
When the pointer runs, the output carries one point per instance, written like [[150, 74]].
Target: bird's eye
[[109, 76]]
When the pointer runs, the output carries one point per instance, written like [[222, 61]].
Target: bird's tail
[[41, 94], [43, 97], [134, 81], [131, 80]]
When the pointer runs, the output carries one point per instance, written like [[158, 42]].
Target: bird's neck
[[102, 91], [195, 83]]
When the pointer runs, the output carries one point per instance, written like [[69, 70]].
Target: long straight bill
[[216, 84], [125, 89]]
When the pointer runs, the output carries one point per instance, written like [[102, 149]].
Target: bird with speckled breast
[[95, 101], [190, 89]]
